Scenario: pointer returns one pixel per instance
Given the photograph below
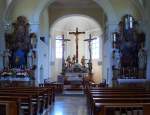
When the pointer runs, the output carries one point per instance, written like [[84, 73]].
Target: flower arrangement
[[17, 73]]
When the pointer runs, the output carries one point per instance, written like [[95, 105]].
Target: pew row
[[117, 101], [29, 100]]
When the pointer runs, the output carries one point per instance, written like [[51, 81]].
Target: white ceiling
[[70, 24]]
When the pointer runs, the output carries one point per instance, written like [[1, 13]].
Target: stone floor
[[69, 105]]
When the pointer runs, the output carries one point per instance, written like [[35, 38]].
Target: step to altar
[[73, 93], [73, 88]]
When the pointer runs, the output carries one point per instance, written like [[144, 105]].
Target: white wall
[[43, 59]]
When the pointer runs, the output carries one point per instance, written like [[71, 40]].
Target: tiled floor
[[69, 105]]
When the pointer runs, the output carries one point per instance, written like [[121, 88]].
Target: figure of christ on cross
[[77, 39], [90, 52], [63, 52]]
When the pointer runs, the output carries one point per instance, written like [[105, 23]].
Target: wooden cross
[[63, 52], [90, 52], [76, 35]]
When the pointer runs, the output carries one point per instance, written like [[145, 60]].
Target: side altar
[[19, 57], [129, 56]]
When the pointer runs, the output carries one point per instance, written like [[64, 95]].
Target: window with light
[[59, 47], [95, 48]]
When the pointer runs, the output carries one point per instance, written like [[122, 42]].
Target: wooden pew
[[41, 97], [47, 91], [18, 100], [24, 102], [99, 98], [8, 107]]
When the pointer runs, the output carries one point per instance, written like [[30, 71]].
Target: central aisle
[[69, 105]]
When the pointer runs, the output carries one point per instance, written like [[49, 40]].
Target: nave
[[69, 105]]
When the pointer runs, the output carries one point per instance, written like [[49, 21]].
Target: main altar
[[73, 71], [19, 57]]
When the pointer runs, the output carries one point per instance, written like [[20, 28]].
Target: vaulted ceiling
[[70, 24]]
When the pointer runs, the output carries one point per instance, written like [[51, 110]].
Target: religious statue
[[68, 60], [34, 57], [90, 52], [116, 54], [83, 61], [77, 40], [30, 59], [73, 59], [19, 58], [142, 59], [6, 56]]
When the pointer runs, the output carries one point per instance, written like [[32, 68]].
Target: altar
[[19, 57], [75, 78]]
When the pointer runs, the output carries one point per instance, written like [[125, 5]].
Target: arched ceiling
[[71, 22], [35, 7], [63, 8]]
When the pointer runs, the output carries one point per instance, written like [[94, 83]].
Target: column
[[107, 52], [34, 27]]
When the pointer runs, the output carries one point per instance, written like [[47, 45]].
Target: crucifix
[[77, 39], [63, 52], [90, 52]]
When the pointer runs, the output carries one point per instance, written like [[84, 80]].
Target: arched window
[[95, 48], [129, 22], [59, 47]]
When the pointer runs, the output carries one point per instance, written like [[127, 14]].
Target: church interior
[[74, 57]]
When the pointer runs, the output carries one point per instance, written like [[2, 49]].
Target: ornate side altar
[[129, 58], [19, 58]]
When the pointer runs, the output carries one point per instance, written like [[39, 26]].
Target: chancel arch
[[67, 24]]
